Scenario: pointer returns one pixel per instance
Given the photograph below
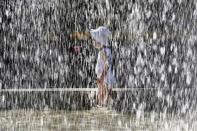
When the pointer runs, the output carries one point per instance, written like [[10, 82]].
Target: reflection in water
[[95, 119]]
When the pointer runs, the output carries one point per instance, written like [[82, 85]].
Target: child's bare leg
[[99, 96], [101, 89], [105, 98], [104, 93], [108, 94]]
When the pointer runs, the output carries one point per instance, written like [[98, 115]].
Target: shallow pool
[[100, 119]]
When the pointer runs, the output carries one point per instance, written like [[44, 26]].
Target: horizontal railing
[[72, 89]]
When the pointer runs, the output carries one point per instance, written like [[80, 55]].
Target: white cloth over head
[[101, 35]]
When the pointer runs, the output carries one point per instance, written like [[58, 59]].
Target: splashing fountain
[[154, 47]]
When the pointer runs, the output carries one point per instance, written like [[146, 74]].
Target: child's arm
[[106, 62], [106, 67]]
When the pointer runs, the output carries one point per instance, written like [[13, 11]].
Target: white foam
[[188, 79], [163, 77], [159, 94], [7, 13], [154, 35], [148, 14], [162, 50]]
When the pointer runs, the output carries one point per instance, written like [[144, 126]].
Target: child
[[105, 77]]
